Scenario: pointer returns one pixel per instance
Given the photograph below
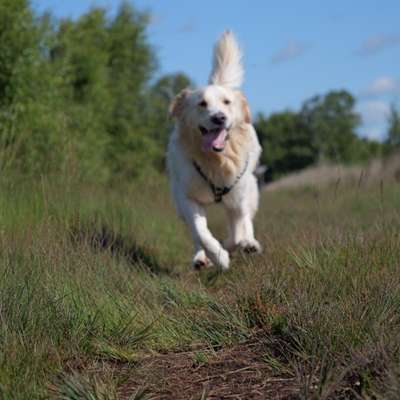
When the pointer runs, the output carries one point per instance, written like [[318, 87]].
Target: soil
[[237, 372]]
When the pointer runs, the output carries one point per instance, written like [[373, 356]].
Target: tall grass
[[94, 277]]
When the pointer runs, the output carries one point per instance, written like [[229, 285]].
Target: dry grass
[[330, 174]]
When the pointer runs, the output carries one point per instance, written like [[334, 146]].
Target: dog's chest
[[207, 191]]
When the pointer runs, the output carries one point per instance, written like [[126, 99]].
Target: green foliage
[[364, 150], [106, 66], [31, 133], [393, 138], [323, 130], [131, 63], [19, 36], [78, 387], [287, 144], [75, 95], [331, 122], [161, 94]]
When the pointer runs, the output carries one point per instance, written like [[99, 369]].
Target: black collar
[[219, 191]]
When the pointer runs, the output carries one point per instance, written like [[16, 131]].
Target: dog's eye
[[227, 102], [203, 103]]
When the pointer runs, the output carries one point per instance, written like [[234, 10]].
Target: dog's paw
[[199, 265], [222, 259], [201, 261], [250, 246]]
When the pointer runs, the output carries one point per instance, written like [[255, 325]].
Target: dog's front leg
[[200, 258], [195, 217]]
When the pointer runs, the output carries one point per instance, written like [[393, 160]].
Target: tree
[[168, 86], [161, 95], [365, 149], [393, 137], [30, 124], [287, 144], [323, 130], [20, 36], [131, 64], [106, 66], [331, 122]]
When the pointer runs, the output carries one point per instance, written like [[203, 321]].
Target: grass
[[95, 281]]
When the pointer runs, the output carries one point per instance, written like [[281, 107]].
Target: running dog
[[212, 155]]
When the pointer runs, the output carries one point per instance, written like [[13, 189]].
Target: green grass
[[91, 276]]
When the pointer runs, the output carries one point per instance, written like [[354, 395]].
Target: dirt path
[[237, 372]]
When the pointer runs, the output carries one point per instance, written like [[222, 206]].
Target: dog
[[212, 154]]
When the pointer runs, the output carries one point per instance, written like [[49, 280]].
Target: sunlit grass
[[92, 275]]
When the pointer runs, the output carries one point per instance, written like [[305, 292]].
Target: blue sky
[[292, 49]]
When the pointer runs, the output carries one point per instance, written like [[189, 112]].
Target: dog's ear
[[245, 108], [178, 104]]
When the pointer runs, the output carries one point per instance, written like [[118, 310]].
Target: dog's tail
[[227, 67]]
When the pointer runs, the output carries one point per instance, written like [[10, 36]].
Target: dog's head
[[210, 115]]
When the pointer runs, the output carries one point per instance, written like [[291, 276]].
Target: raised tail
[[227, 67]]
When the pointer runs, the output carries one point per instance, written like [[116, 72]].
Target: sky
[[292, 49]]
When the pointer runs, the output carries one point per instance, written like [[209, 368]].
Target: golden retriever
[[212, 154]]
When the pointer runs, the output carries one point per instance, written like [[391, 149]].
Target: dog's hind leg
[[241, 230], [235, 229], [241, 233]]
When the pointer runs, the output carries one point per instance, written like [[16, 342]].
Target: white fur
[[227, 67], [190, 191]]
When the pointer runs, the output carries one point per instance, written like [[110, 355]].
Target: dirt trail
[[237, 372]]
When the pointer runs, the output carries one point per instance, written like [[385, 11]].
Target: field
[[97, 300]]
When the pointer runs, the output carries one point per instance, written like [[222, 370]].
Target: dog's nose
[[219, 118]]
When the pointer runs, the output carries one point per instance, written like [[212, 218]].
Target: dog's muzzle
[[214, 139]]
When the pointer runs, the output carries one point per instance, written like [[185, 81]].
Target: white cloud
[[375, 44], [374, 115], [374, 111], [374, 132], [382, 85], [292, 50]]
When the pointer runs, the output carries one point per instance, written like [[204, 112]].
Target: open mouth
[[213, 139]]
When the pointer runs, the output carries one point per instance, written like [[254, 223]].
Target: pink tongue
[[214, 140]]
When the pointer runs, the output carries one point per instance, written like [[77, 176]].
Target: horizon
[[283, 46]]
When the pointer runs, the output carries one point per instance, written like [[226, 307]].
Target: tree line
[[80, 96], [323, 130]]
